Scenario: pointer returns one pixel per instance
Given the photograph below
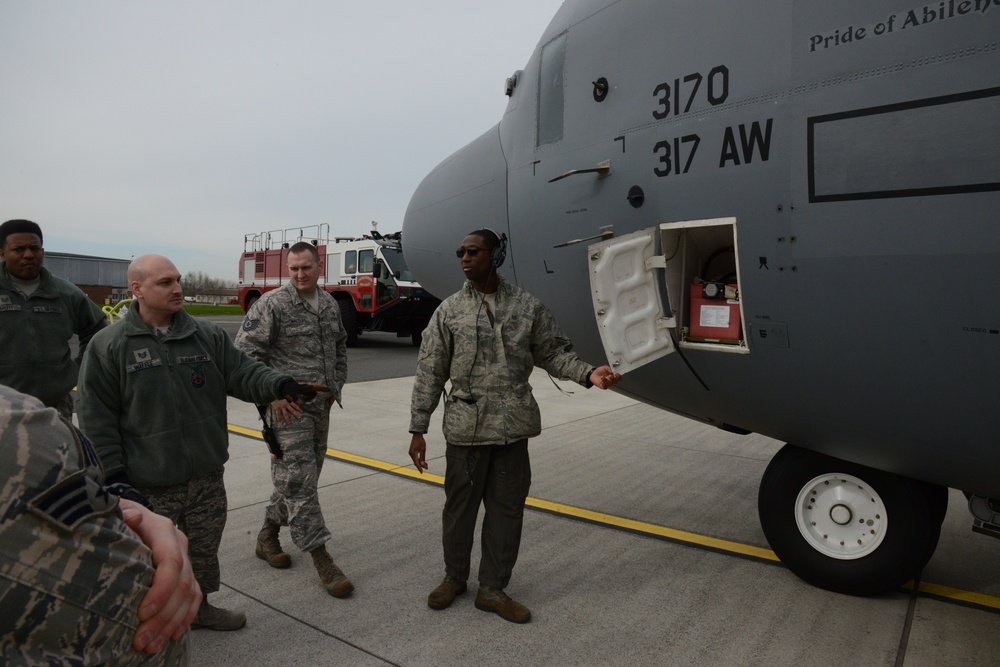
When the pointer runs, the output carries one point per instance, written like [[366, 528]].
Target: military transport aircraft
[[773, 217]]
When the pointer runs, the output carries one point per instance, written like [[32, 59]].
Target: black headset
[[499, 253]]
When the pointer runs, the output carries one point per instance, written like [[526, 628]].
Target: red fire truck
[[368, 276]]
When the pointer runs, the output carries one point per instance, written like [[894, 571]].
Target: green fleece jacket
[[35, 333], [155, 409]]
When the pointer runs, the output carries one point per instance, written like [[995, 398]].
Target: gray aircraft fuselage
[[856, 147]]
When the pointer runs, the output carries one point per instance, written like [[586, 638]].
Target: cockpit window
[[550, 91], [394, 258]]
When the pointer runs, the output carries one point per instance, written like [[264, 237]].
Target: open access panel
[[674, 284]]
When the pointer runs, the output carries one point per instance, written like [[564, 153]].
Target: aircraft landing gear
[[846, 527], [986, 515]]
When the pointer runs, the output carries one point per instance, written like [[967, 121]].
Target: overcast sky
[[178, 127]]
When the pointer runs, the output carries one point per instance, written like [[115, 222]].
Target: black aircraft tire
[[845, 527], [349, 317], [937, 501]]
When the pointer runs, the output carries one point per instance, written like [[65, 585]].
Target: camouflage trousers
[[295, 500], [199, 509]]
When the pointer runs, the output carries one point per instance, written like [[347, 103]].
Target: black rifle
[[268, 434]]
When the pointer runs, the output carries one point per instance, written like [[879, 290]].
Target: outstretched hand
[[603, 377], [295, 392]]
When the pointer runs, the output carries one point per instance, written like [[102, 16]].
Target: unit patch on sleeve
[[198, 377]]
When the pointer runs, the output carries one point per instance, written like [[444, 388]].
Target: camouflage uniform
[[35, 334], [284, 331], [156, 412], [199, 509], [488, 415], [72, 574]]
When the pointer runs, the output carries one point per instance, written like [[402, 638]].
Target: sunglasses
[[472, 251]]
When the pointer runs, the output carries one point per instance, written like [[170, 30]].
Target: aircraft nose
[[467, 191]]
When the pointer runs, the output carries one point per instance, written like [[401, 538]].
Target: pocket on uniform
[[527, 417], [461, 418]]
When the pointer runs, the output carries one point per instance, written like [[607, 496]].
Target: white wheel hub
[[840, 516]]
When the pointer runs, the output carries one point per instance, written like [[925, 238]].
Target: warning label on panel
[[715, 316]]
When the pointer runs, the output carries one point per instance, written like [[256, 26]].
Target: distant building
[[103, 279]]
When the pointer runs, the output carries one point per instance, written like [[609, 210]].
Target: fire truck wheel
[[349, 316]]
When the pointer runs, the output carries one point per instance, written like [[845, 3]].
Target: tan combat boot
[[269, 548], [216, 618], [334, 581]]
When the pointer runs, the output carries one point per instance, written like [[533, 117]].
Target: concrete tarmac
[[641, 547]]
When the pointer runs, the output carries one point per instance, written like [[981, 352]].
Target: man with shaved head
[[153, 393], [39, 314]]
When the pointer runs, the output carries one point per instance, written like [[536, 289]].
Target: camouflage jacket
[[35, 334], [283, 331], [154, 408], [490, 402], [72, 574]]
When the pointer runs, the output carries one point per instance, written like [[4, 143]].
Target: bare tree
[[199, 281]]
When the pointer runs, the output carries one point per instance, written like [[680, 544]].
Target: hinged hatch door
[[627, 301]]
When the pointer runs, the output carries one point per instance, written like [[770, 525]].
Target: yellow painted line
[[653, 529], [576, 512], [987, 602], [403, 471], [248, 432], [959, 595]]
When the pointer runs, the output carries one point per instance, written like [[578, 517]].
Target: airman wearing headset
[[486, 339]]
